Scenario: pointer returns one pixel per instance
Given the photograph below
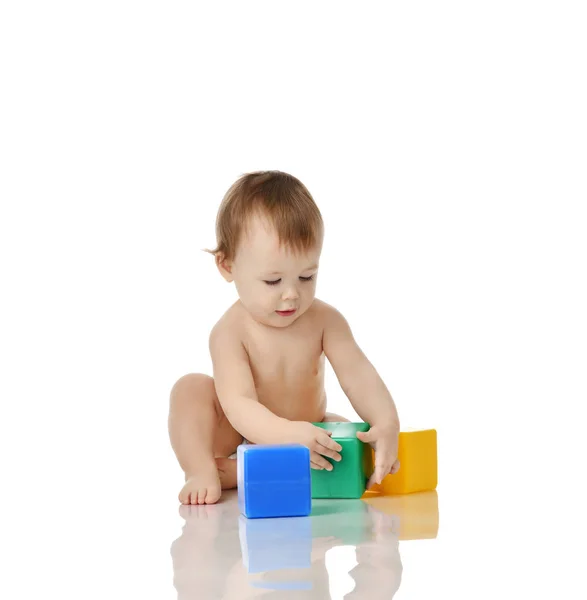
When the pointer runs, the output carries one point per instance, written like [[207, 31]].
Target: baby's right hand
[[318, 440]]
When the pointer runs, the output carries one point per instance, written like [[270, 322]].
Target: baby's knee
[[334, 418], [194, 385]]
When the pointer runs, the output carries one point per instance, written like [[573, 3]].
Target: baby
[[268, 348]]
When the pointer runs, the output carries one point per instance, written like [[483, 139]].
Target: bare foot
[[202, 487]]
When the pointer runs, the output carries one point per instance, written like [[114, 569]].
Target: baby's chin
[[280, 322], [276, 320]]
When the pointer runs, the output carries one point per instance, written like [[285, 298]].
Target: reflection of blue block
[[274, 480], [272, 544]]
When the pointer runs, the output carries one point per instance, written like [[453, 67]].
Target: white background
[[445, 144]]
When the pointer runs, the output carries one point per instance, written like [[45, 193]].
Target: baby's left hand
[[384, 440]]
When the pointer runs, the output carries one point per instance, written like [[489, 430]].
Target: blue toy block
[[274, 480]]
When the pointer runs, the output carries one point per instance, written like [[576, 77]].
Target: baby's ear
[[224, 266]]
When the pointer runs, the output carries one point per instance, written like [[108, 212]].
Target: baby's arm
[[356, 375], [236, 391], [365, 389]]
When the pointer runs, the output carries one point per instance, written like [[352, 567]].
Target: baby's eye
[[278, 280]]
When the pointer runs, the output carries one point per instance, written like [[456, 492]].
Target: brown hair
[[281, 198]]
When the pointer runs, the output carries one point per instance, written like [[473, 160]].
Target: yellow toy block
[[418, 471]]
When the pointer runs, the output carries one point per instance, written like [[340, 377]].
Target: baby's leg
[[333, 418], [201, 436]]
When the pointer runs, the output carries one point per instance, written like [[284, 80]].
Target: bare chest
[[284, 355], [288, 370]]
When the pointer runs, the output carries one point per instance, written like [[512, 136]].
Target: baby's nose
[[290, 293]]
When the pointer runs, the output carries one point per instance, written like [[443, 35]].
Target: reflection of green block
[[348, 478], [349, 520]]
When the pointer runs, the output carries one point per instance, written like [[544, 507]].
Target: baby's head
[[269, 233]]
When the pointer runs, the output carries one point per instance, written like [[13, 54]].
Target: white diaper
[[245, 441]]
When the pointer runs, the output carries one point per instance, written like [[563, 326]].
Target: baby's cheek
[[272, 302]]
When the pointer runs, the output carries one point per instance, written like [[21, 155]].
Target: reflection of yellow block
[[417, 513], [418, 471]]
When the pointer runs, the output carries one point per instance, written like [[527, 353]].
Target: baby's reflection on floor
[[206, 551], [223, 555]]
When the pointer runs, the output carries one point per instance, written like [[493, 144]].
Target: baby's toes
[[184, 496], [212, 495], [199, 496], [202, 488]]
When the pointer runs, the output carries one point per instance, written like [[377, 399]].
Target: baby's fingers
[[328, 442], [327, 452], [319, 462], [372, 481], [380, 473]]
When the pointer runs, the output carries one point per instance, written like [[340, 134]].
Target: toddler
[[268, 348]]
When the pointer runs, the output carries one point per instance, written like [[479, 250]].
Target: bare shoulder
[[326, 314], [229, 327], [336, 331]]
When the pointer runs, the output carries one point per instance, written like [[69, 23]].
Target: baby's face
[[270, 279]]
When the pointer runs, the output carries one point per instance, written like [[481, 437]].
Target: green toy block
[[348, 478]]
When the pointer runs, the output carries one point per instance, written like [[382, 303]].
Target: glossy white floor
[[343, 546], [111, 526]]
